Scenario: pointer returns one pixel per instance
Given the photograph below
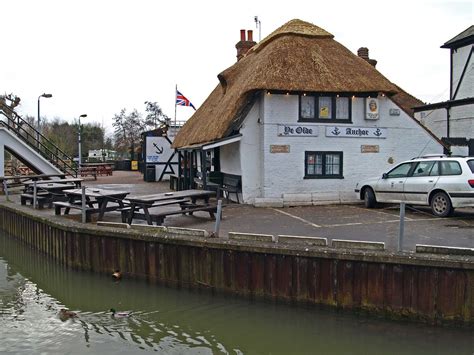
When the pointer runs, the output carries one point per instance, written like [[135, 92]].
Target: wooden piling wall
[[429, 289]]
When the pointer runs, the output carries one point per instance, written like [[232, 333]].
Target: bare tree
[[128, 129], [154, 115]]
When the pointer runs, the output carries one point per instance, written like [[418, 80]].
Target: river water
[[33, 288]]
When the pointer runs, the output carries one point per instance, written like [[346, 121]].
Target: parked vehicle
[[441, 182]]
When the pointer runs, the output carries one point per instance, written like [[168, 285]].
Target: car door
[[421, 181], [390, 187]]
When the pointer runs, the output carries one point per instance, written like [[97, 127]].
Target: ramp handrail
[[49, 151]]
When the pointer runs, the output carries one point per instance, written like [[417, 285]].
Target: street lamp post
[[79, 138], [39, 117]]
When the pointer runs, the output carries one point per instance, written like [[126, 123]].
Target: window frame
[[333, 117], [324, 175]]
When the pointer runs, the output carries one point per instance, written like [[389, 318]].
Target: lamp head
[[47, 95], [83, 115]]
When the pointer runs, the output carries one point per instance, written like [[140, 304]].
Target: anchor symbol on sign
[[336, 131], [159, 150], [377, 132]]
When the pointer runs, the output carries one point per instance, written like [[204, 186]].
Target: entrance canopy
[[214, 144]]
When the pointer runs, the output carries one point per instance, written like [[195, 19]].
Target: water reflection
[[34, 288]]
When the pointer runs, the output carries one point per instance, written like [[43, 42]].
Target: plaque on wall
[[274, 148], [369, 148]]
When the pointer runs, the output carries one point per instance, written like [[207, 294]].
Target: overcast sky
[[98, 56]]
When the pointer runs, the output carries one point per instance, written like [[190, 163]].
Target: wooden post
[[5, 189], [218, 218], [402, 226], [204, 169], [83, 204], [35, 191]]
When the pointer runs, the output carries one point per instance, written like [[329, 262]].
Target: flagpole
[[175, 93]]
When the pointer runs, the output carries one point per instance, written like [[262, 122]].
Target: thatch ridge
[[297, 57]]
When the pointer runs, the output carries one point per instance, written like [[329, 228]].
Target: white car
[[441, 182]]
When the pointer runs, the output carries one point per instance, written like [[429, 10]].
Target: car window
[[423, 168], [400, 171], [435, 169], [471, 165], [450, 168]]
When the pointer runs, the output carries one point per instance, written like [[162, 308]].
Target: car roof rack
[[428, 156]]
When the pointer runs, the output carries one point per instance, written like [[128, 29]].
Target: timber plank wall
[[430, 289]]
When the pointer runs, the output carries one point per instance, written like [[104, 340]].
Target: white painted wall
[[461, 121], [282, 174], [434, 120], [459, 58], [2, 159], [251, 154], [230, 158]]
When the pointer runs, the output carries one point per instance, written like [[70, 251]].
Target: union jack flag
[[181, 100]]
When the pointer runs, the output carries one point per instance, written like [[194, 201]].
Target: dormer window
[[325, 108]]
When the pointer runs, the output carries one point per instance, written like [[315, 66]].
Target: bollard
[[218, 218], [402, 226], [35, 192], [83, 204]]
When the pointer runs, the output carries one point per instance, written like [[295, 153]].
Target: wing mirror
[[384, 175]]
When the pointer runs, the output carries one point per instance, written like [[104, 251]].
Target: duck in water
[[65, 314], [123, 314]]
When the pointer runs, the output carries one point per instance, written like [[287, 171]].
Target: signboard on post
[[158, 150]]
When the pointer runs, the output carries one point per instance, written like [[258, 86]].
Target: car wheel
[[441, 205], [369, 198]]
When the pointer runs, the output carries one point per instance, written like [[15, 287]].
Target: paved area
[[333, 221]]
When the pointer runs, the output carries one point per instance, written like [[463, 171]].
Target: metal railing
[[35, 140]]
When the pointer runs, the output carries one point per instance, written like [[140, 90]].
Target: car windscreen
[[471, 165]]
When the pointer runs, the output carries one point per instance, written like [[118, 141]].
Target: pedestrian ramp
[[23, 151]]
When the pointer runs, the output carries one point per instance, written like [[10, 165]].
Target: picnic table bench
[[96, 200], [186, 201], [88, 171], [47, 191], [231, 184], [97, 169]]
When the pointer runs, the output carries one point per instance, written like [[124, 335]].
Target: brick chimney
[[363, 52], [244, 44]]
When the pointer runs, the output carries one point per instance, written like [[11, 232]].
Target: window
[[325, 108], [424, 168], [450, 168], [323, 165], [400, 171], [471, 165]]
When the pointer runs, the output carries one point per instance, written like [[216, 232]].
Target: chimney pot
[[244, 44], [363, 52], [250, 35]]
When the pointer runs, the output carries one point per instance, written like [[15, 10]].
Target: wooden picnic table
[[185, 199], [97, 168], [32, 177], [46, 192], [74, 181], [99, 197]]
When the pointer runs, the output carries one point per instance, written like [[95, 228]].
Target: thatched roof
[[297, 57]]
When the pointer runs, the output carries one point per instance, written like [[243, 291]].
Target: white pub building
[[299, 120]]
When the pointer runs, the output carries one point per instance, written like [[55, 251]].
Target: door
[[423, 178], [390, 187]]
